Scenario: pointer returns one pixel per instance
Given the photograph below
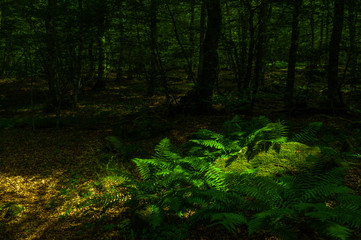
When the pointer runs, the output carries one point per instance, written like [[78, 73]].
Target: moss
[[278, 159]]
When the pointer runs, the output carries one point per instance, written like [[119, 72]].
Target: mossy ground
[[276, 159]]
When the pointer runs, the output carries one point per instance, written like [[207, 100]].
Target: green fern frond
[[323, 191], [308, 134], [337, 231], [143, 168], [207, 134], [347, 216], [210, 143], [214, 177]]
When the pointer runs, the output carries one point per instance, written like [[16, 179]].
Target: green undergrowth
[[252, 173]]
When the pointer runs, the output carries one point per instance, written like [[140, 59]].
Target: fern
[[190, 189], [288, 200], [308, 134], [256, 135]]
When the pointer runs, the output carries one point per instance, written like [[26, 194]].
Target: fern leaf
[[338, 231], [210, 143], [207, 134], [143, 168], [308, 134]]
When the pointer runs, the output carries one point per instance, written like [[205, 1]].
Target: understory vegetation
[[249, 175]]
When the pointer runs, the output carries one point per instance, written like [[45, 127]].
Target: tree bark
[[151, 81], [259, 64], [334, 91], [202, 33], [209, 74], [191, 40], [248, 76], [100, 83], [51, 51], [290, 84], [352, 35], [199, 100]]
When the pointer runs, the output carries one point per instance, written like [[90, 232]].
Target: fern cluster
[[313, 201], [257, 135], [176, 191]]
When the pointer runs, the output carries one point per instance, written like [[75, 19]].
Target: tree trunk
[[248, 76], [77, 81], [51, 69], [334, 91], [191, 40], [50, 46], [202, 33], [199, 100], [352, 35], [152, 79], [209, 74], [293, 54], [243, 49], [259, 64], [120, 60], [100, 83], [312, 26]]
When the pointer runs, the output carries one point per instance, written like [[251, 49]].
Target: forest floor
[[45, 172]]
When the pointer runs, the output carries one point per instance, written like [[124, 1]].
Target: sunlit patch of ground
[[45, 172]]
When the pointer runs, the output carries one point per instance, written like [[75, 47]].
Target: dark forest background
[[79, 44]]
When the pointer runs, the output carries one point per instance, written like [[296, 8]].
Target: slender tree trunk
[[79, 63], [322, 26], [91, 59], [120, 61], [248, 76], [202, 33], [52, 73], [152, 79], [2, 34], [50, 45], [352, 35], [290, 84], [327, 23], [334, 91], [312, 27], [262, 29], [191, 39], [243, 50], [100, 83]]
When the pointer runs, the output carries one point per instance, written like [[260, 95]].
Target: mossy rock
[[278, 159]]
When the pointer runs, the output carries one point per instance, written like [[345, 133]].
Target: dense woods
[[89, 87], [78, 44]]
